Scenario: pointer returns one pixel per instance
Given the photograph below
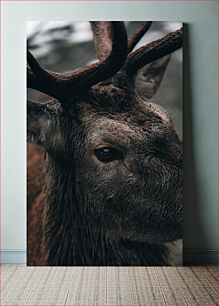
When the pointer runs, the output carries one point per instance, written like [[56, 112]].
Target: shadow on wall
[[193, 226]]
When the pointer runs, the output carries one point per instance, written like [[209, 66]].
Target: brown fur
[[127, 124]]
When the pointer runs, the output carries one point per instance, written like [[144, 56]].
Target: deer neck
[[74, 237]]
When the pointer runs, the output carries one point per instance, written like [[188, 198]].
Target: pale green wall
[[200, 107]]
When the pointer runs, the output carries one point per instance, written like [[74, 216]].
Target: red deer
[[112, 187]]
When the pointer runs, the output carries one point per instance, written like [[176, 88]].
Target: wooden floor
[[23, 285]]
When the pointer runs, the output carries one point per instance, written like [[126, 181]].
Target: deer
[[111, 189]]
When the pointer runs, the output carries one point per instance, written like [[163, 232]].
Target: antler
[[154, 50], [110, 40], [102, 38], [62, 85], [135, 37]]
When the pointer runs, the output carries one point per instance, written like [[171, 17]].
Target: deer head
[[115, 159]]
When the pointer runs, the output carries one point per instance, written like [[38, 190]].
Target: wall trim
[[191, 256], [13, 256]]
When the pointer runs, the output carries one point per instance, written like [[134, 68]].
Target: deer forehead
[[125, 128], [140, 114], [113, 132]]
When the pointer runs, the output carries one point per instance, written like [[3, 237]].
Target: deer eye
[[108, 154]]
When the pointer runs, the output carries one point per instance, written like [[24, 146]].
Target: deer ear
[[43, 127], [149, 77]]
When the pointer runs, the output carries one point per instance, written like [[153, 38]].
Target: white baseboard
[[13, 256]]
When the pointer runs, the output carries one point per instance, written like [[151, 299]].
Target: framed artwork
[[104, 132]]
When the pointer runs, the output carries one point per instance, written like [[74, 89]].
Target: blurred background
[[64, 46]]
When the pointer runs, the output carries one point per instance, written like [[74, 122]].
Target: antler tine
[[154, 50], [45, 84], [102, 38], [138, 34], [62, 85]]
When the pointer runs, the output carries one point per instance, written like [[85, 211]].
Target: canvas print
[[104, 143]]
